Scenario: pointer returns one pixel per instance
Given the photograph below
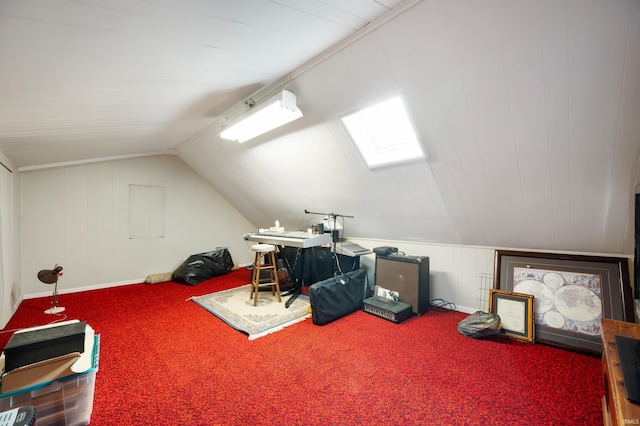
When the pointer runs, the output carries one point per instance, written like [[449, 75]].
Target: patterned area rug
[[234, 307]]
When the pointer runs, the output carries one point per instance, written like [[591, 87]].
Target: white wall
[[10, 242], [455, 271], [78, 217]]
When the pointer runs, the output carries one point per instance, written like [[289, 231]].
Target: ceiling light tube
[[275, 112]]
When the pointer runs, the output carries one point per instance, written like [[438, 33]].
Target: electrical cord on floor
[[62, 318], [442, 304]]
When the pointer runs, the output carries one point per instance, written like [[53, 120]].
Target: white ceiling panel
[[132, 70]]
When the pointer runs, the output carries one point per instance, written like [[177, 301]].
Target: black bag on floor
[[338, 296], [201, 267]]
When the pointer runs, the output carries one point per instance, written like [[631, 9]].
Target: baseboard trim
[[465, 309], [85, 288]]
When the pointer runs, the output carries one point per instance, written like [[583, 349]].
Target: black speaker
[[407, 275]]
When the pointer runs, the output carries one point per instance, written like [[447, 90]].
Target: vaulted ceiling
[[529, 110]]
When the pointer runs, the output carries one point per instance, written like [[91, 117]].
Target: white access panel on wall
[[146, 211]]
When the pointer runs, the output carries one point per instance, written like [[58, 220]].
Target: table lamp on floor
[[50, 276]]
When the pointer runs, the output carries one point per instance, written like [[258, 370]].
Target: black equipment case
[[33, 346], [338, 296]]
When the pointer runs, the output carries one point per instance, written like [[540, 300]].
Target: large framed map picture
[[572, 293]]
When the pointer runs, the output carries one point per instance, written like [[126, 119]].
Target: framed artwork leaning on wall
[[572, 294], [516, 314]]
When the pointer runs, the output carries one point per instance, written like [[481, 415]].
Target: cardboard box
[[43, 371], [42, 343]]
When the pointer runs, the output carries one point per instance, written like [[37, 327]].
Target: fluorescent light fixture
[[275, 112], [383, 134]]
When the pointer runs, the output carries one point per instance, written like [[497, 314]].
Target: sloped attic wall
[[528, 112]]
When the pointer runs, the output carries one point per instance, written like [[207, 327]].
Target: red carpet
[[165, 360]]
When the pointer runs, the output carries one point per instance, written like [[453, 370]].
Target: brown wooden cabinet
[[616, 408]]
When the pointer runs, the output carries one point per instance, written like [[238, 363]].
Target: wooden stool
[[265, 260]]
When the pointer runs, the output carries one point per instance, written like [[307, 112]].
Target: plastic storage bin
[[66, 402]]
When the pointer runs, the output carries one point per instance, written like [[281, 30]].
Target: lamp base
[[55, 310]]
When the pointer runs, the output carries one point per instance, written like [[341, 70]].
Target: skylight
[[383, 134]]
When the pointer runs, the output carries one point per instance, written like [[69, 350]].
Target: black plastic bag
[[479, 325], [201, 267]]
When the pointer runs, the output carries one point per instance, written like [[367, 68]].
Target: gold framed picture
[[516, 313]]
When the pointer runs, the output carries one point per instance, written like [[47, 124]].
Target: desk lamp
[[50, 276]]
